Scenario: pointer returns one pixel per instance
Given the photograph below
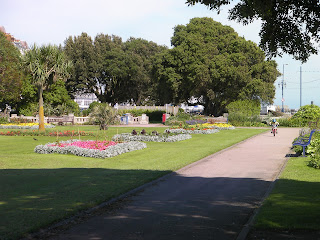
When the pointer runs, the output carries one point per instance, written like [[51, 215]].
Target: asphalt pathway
[[213, 198]]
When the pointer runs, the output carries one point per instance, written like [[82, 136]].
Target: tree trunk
[[41, 112]]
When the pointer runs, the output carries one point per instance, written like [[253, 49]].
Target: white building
[[85, 99]]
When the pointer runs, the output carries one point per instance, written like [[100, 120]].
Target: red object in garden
[[164, 118]]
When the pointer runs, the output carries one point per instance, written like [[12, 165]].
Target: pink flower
[[99, 145]]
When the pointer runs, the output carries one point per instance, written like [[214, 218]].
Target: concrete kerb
[[87, 213]]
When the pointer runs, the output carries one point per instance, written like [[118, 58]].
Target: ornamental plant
[[83, 150], [191, 131], [305, 115], [24, 126], [151, 138]]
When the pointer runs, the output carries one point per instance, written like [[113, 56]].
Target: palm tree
[[104, 115], [46, 64]]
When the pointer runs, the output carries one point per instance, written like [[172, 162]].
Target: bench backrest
[[311, 133]]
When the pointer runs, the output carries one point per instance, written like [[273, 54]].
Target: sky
[[43, 22]]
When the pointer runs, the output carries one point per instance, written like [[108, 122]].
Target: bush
[[245, 113], [104, 115], [182, 118], [305, 115], [314, 152]]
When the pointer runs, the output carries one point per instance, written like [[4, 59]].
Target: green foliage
[[123, 70], [313, 151], [3, 120], [245, 113], [11, 74], [305, 115], [180, 119], [57, 101], [211, 62], [104, 115], [283, 20], [287, 122], [247, 108]]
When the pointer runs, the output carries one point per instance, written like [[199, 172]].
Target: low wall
[[75, 120]]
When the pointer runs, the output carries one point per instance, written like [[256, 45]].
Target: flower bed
[[95, 149], [151, 138], [24, 126], [67, 133], [219, 126], [191, 131]]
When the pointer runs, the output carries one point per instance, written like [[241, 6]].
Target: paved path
[[211, 199]]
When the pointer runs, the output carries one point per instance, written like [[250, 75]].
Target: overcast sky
[[43, 22]]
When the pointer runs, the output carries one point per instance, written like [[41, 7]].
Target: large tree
[[46, 64], [113, 70], [11, 74], [211, 62], [288, 26]]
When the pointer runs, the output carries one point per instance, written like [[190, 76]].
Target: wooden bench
[[304, 141]]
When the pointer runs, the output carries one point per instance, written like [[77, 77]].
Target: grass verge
[[37, 190], [294, 203]]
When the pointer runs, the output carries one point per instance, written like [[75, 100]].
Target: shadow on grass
[[178, 208], [33, 198]]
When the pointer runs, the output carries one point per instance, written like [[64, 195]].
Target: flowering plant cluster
[[66, 147], [24, 126], [220, 126], [99, 145], [151, 138], [67, 133], [191, 131]]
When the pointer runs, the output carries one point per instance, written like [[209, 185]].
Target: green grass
[[37, 190], [295, 201]]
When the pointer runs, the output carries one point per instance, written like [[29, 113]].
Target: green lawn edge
[[38, 190], [294, 203]]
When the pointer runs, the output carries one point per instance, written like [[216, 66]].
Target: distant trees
[[115, 71], [11, 73], [290, 26], [212, 63]]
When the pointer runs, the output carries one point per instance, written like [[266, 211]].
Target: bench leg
[[304, 152]]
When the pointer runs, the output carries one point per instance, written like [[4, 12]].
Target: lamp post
[[282, 83]]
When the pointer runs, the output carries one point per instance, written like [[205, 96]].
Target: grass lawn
[[37, 190], [294, 203]]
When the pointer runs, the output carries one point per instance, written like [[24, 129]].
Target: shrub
[[104, 115], [245, 113], [305, 115], [314, 151], [3, 120]]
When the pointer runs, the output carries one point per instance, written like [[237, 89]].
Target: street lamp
[[282, 83]]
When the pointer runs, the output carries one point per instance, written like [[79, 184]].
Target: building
[[21, 45], [85, 99]]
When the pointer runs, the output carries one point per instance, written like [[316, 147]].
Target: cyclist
[[274, 125]]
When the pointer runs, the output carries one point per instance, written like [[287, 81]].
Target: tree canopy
[[290, 26], [11, 74], [212, 63], [113, 70]]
